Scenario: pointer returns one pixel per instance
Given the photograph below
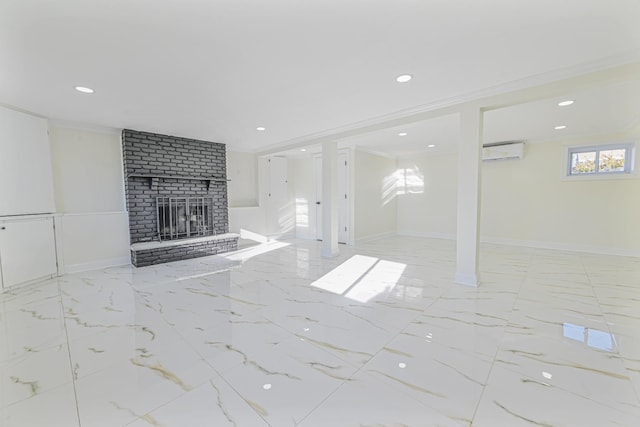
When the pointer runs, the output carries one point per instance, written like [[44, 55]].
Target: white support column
[[330, 199], [469, 176]]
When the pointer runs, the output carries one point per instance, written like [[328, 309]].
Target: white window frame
[[629, 159]]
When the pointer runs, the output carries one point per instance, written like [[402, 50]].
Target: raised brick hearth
[[172, 167], [149, 253]]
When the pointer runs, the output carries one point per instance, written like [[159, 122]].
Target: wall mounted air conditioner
[[503, 150]]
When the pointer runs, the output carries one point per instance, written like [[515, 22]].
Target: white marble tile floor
[[276, 335]]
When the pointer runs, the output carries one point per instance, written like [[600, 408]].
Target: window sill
[[601, 177]]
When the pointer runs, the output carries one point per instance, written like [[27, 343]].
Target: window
[[600, 159]]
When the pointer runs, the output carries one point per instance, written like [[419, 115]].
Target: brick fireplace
[[176, 190]]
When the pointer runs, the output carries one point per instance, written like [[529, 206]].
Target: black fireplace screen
[[183, 217]]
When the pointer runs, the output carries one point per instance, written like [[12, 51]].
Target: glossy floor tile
[[276, 335]]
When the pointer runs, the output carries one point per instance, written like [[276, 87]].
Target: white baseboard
[[559, 246], [96, 265], [305, 236], [376, 236], [428, 235], [281, 236], [466, 279], [27, 283]]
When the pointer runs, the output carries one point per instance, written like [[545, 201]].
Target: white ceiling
[[441, 131], [217, 69], [602, 110], [598, 111]]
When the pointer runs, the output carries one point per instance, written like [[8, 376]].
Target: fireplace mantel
[[153, 177]]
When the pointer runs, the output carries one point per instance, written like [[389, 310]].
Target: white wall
[[94, 240], [427, 195], [245, 212], [251, 219], [87, 170], [89, 191], [273, 217], [242, 171], [25, 164], [375, 208], [530, 202], [526, 202]]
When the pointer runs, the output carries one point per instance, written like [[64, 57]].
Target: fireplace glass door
[[184, 217]]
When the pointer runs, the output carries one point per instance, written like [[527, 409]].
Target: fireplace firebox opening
[[184, 217]]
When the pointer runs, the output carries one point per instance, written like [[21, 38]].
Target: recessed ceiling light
[[560, 127], [402, 134], [84, 89], [565, 103], [304, 149], [431, 145], [267, 386], [404, 78], [402, 365], [261, 128]]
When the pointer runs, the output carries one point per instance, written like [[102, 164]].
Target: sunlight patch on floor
[[361, 278]]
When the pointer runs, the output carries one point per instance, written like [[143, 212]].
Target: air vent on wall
[[503, 150]]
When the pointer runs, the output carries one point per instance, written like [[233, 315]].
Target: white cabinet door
[[27, 250]]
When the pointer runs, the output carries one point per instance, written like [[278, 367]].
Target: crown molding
[[88, 127], [610, 67]]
